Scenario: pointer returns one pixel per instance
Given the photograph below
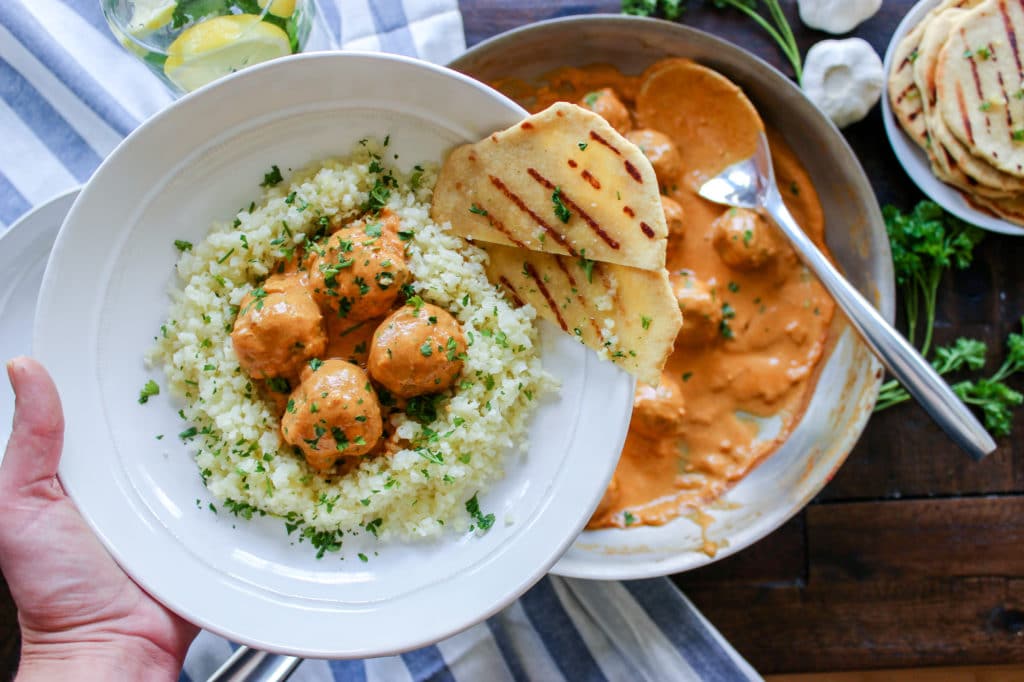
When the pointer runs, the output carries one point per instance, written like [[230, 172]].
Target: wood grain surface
[[912, 556]]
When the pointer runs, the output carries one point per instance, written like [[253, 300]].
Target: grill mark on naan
[[906, 91], [589, 177], [532, 272], [560, 262], [572, 164], [1006, 105], [628, 211], [605, 237], [1011, 35], [500, 227], [511, 291], [974, 67], [597, 138], [647, 230], [963, 113], [633, 172], [518, 201]]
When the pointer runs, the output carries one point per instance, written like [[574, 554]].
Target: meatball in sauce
[[606, 104], [333, 413], [358, 273], [416, 350], [663, 154], [278, 328], [743, 240]]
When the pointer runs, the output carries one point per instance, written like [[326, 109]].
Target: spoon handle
[[902, 359]]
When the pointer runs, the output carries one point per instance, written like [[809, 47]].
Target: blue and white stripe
[[69, 93]]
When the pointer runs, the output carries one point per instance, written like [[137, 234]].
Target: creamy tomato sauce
[[755, 321]]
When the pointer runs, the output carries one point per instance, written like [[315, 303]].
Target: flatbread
[[951, 161], [1009, 209], [501, 190], [627, 315], [979, 83], [905, 95]]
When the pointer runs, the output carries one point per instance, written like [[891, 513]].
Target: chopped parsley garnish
[[473, 507], [590, 99], [561, 211], [272, 178], [226, 255], [628, 517], [363, 557], [150, 389], [182, 245], [315, 364], [1018, 135], [733, 287], [416, 302], [190, 432], [476, 209], [747, 236], [985, 106], [687, 376], [373, 229], [728, 313], [983, 52], [379, 195], [425, 349], [405, 235], [645, 322], [583, 146], [290, 199], [586, 264]]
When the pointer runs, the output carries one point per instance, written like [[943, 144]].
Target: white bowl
[[850, 376], [913, 158], [104, 296]]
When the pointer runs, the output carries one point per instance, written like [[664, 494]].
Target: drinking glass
[[189, 43]]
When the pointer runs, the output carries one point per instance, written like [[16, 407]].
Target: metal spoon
[[751, 184], [253, 665]]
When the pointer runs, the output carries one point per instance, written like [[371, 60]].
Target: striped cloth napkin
[[69, 93]]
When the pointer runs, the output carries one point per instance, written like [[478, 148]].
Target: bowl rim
[[884, 296]]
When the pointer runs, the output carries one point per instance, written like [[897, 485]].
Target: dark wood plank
[[779, 559], [858, 625]]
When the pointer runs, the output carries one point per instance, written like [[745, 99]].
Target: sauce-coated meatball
[[606, 104], [661, 152], [743, 240], [333, 413], [702, 313], [360, 269], [658, 410], [278, 328], [417, 350], [673, 218]]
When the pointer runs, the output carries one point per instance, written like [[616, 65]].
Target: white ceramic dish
[[848, 385], [104, 296], [24, 250], [912, 157]]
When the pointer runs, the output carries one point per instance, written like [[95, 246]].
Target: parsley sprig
[[926, 243], [775, 24]]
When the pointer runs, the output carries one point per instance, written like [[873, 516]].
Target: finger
[[37, 435]]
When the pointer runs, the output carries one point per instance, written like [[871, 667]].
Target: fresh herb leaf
[[483, 522], [150, 389], [272, 178], [561, 212]]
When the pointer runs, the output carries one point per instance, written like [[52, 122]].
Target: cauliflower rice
[[416, 493]]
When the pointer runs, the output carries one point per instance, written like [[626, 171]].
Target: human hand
[[81, 617]]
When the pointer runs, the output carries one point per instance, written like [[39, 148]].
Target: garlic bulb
[[844, 78], [837, 16]]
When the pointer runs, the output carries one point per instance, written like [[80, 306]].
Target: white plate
[[104, 296], [913, 158], [24, 248]]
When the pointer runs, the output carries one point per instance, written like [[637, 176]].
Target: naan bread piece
[[562, 181], [1011, 209], [627, 315], [951, 161], [979, 83], [904, 92], [687, 101], [904, 95]]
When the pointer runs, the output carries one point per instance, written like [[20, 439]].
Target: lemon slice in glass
[[150, 15], [279, 8], [220, 46]]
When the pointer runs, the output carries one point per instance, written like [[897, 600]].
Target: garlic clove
[[844, 78], [837, 16]]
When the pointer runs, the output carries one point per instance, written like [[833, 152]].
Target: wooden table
[[913, 555]]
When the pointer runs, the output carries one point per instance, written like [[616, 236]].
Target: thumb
[[37, 435]]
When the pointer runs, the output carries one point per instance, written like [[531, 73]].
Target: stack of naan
[[957, 88], [570, 215]]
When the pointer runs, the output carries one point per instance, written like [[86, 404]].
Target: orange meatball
[[658, 410], [359, 271], [663, 154], [333, 413], [417, 350], [278, 328], [606, 104], [743, 240], [673, 218], [702, 313]]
